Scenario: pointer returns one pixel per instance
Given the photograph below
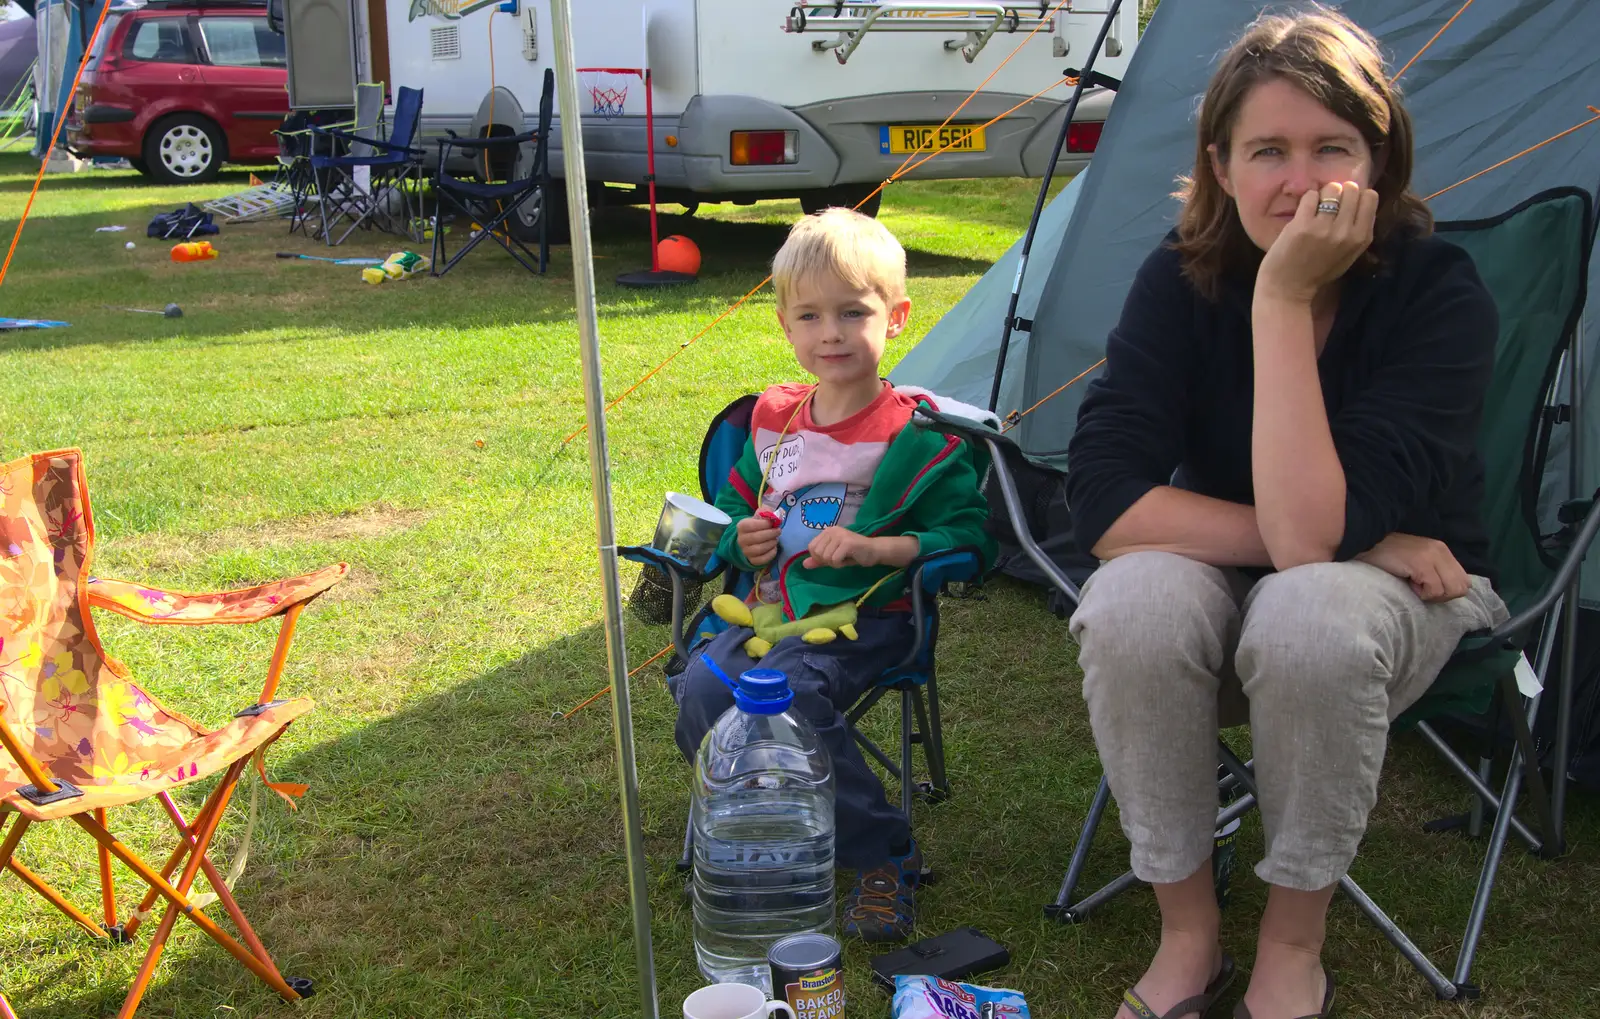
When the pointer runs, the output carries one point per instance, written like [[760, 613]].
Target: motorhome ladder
[[852, 21]]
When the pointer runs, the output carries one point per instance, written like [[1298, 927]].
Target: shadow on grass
[[462, 856], [459, 857]]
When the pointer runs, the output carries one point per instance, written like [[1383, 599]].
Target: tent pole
[[1038, 204], [600, 477]]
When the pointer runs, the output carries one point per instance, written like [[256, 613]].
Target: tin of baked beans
[[807, 973]]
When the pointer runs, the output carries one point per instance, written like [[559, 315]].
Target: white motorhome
[[751, 99]]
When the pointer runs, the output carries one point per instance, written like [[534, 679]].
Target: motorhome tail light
[[1085, 136], [762, 148]]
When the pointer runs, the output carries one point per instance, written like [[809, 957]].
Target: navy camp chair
[[391, 196], [913, 678], [510, 199], [1534, 259]]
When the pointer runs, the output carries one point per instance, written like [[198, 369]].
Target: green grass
[[459, 853]]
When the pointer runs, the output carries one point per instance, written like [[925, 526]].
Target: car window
[[100, 40], [163, 40], [242, 42]]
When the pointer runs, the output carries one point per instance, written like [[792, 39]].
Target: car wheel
[[183, 149], [139, 165], [846, 195]]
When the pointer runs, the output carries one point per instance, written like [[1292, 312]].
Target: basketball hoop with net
[[606, 89]]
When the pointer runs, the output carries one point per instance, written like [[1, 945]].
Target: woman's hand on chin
[[1316, 248]]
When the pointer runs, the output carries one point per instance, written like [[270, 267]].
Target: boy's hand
[[758, 540], [840, 546]]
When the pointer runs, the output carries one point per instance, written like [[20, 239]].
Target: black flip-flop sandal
[[1200, 1004]]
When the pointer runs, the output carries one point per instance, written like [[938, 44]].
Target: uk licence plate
[[897, 139]]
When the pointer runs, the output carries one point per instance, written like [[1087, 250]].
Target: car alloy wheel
[[186, 150]]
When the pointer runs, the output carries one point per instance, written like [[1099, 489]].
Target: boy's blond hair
[[856, 248]]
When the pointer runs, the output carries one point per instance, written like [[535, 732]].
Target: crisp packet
[[921, 997]]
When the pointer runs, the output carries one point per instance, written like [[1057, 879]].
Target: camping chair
[[497, 205], [927, 576], [80, 737], [388, 166], [1535, 261], [296, 146]]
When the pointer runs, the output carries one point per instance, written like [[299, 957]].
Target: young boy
[[836, 492]]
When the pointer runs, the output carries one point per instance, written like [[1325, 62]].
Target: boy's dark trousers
[[826, 679]]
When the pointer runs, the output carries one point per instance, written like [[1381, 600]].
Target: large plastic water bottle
[[763, 832]]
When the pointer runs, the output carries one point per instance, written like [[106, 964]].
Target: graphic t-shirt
[[819, 474]]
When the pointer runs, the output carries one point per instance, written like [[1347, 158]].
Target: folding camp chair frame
[[1559, 597], [926, 576], [193, 844], [367, 210], [294, 170], [913, 677], [392, 166], [496, 223]]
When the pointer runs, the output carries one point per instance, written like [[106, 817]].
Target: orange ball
[[679, 254]]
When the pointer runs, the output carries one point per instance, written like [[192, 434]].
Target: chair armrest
[[681, 574], [966, 428], [926, 575], [491, 141], [1002, 453], [375, 142], [929, 573], [1564, 579], [244, 605]]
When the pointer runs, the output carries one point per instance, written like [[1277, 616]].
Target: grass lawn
[[459, 853]]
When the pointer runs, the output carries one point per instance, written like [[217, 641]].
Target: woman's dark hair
[[1338, 64]]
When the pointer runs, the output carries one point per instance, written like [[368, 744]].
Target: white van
[[751, 99]]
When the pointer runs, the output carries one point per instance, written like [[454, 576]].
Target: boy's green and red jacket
[[925, 487]]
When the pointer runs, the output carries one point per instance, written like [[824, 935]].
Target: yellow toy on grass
[[767, 620], [398, 266]]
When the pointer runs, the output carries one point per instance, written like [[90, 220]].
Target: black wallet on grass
[[953, 955]]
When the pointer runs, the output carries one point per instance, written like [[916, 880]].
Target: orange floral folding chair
[[80, 737]]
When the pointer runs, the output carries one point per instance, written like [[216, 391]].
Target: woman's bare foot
[[1286, 982], [1190, 956], [1183, 967]]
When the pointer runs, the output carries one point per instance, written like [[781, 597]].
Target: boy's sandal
[[1240, 1012], [1200, 1004]]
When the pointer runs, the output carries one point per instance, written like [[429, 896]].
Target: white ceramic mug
[[732, 1001]]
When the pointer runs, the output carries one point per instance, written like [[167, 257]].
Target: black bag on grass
[[1583, 769], [181, 224]]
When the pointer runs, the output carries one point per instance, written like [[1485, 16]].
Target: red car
[[179, 88]]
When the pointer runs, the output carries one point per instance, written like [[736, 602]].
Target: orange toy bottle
[[193, 251]]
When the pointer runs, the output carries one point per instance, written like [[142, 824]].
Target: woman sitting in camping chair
[[1278, 470]]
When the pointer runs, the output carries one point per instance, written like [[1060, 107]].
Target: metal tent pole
[[600, 478], [1084, 78]]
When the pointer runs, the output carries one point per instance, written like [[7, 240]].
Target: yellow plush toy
[[770, 626], [398, 266]]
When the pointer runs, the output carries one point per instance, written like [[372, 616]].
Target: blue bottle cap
[[763, 692]]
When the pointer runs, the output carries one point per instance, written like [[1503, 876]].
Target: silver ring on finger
[[1328, 206]]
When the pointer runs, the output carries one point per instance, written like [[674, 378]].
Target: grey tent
[[1504, 77], [18, 47], [957, 356]]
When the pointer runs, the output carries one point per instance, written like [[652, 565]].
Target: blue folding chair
[[913, 678], [391, 165]]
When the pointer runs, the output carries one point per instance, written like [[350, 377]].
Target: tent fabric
[[1504, 77], [957, 356]]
